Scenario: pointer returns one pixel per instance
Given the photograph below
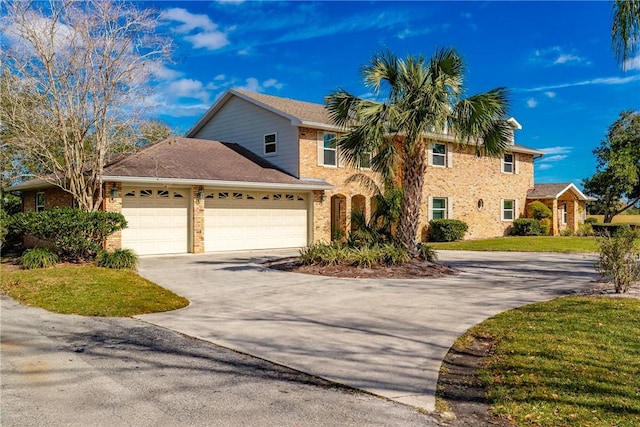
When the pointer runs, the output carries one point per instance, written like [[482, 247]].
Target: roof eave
[[303, 186]]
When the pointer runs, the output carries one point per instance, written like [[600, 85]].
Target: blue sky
[[554, 57]]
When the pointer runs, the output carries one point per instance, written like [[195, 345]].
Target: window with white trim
[[439, 154], [330, 151], [508, 210], [439, 208], [270, 143], [508, 163], [39, 201], [564, 213]]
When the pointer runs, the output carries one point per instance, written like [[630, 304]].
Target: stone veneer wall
[[468, 180], [112, 204], [197, 221]]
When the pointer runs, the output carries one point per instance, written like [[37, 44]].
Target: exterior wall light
[[114, 191], [323, 197], [200, 194]]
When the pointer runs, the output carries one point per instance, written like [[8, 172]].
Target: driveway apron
[[385, 336]]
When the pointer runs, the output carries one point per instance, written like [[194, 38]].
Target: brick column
[[113, 204], [198, 222]]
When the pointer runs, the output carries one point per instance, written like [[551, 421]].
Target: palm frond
[[625, 29]]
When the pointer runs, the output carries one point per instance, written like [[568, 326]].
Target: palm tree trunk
[[413, 169]]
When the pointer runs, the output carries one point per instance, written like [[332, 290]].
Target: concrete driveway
[[384, 336]]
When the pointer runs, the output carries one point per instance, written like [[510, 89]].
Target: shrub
[[591, 221], [74, 233], [567, 232], [527, 227], [427, 253], [545, 226], [118, 259], [538, 210], [358, 256], [585, 229], [38, 258], [619, 255], [446, 230], [610, 229]]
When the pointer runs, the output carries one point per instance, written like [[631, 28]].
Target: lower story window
[[564, 213], [39, 201], [508, 210], [439, 208]]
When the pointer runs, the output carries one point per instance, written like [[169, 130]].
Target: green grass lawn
[[619, 219], [568, 362], [523, 244], [88, 291]]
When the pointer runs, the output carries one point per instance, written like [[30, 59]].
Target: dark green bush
[[591, 221], [446, 230], [118, 259], [427, 253], [74, 233], [538, 210], [38, 258], [527, 227], [610, 229]]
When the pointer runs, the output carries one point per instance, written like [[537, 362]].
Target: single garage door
[[237, 220], [157, 220]]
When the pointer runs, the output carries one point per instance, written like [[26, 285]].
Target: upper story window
[[508, 163], [270, 143], [39, 201], [330, 151], [365, 161], [508, 210], [439, 154], [439, 208]]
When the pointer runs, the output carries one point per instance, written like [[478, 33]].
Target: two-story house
[[262, 172]]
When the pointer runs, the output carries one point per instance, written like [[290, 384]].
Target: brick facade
[[53, 197], [468, 182], [197, 221], [113, 204]]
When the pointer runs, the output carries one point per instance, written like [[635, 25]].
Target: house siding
[[243, 123]]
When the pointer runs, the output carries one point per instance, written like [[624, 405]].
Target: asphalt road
[[62, 370]]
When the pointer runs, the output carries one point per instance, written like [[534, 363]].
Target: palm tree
[[420, 99], [625, 30]]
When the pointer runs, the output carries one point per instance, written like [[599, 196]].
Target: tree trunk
[[413, 168]]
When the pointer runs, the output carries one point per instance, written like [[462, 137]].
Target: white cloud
[[604, 81], [557, 56], [188, 88], [532, 103], [161, 72], [252, 84], [557, 150], [550, 94], [198, 29], [190, 21], [544, 166], [554, 158], [632, 63], [210, 40]]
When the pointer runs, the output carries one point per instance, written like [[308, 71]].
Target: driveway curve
[[385, 336]]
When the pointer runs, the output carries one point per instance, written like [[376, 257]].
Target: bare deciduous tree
[[74, 80]]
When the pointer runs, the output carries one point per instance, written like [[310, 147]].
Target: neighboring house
[[277, 180], [567, 204]]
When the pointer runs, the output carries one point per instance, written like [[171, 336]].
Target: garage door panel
[[157, 223], [261, 222]]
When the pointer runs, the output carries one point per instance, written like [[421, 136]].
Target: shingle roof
[[300, 110], [198, 159], [552, 191]]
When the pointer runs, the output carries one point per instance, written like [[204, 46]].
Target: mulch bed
[[409, 270]]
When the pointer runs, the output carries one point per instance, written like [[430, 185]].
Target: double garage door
[[159, 220]]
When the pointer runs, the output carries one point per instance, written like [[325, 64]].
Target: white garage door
[[157, 220], [252, 220]]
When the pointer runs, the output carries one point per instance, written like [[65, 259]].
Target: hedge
[[447, 230]]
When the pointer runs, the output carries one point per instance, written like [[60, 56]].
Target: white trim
[[516, 166], [513, 209], [503, 163], [429, 204], [449, 155], [320, 185], [440, 155], [572, 186], [445, 210], [37, 207]]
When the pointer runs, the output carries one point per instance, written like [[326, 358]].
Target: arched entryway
[[338, 217], [358, 206]]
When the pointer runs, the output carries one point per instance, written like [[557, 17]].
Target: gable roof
[[190, 161], [554, 191], [300, 113], [309, 114]]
